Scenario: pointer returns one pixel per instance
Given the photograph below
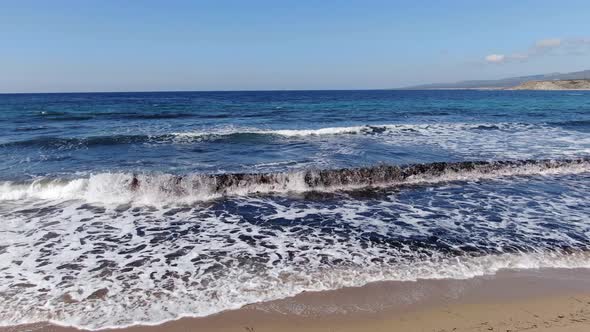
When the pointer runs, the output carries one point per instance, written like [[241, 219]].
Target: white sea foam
[[162, 264], [399, 128], [463, 140], [124, 310], [280, 132], [331, 131]]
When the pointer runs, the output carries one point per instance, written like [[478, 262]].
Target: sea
[[119, 209]]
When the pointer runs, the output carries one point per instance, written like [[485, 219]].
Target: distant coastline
[[547, 85], [554, 85], [514, 83]]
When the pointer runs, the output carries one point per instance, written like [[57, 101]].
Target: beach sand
[[512, 300]]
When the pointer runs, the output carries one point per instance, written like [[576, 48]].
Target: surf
[[159, 188]]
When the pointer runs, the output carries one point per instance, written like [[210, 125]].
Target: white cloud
[[495, 58], [553, 46]]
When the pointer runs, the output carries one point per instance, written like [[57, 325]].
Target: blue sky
[[235, 45]]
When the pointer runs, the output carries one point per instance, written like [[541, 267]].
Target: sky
[[71, 46]]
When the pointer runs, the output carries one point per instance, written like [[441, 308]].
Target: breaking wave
[[121, 266], [155, 189], [357, 130], [231, 133], [185, 137]]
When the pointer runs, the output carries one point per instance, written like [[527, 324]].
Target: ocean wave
[[72, 142], [81, 116], [115, 266], [157, 189], [572, 123], [356, 130], [31, 128], [231, 133], [187, 137]]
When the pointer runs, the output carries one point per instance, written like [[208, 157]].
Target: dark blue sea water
[[127, 208], [180, 133]]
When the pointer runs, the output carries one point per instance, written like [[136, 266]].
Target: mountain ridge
[[509, 82]]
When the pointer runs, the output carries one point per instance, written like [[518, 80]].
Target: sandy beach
[[512, 300]]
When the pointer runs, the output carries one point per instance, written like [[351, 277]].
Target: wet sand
[[515, 300]]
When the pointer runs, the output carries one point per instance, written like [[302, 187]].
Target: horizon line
[[169, 91]]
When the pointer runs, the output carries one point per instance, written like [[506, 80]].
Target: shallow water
[[121, 209]]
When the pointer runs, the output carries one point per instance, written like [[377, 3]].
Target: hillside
[[554, 85], [504, 83]]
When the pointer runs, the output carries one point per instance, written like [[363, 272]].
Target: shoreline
[[495, 89], [511, 300]]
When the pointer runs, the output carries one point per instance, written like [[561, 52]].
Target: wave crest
[[231, 133], [157, 189]]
